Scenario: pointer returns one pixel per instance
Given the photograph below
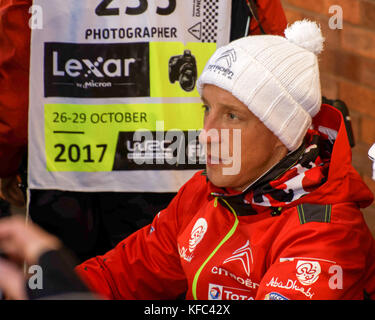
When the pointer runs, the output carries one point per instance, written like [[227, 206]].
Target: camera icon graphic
[[183, 68]]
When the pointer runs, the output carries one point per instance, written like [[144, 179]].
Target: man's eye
[[205, 108], [232, 116]]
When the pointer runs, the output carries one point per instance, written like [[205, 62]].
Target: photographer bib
[[113, 104]]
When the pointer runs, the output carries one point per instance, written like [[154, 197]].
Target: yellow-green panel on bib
[[84, 137]]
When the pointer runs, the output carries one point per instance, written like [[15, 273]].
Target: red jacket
[[14, 83], [14, 72], [209, 245]]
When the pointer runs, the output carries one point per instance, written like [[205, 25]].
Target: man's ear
[[280, 150]]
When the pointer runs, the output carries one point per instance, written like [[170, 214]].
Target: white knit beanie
[[277, 78]]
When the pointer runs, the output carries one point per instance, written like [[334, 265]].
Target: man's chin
[[216, 177]]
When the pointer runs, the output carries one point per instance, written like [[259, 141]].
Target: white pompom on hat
[[277, 78]]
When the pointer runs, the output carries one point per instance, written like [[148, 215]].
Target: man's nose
[[211, 131]]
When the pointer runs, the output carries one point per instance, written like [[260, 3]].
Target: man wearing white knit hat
[[277, 79], [288, 224]]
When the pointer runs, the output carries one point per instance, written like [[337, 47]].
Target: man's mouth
[[212, 160]]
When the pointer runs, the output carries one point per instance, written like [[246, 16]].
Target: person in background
[[28, 243]]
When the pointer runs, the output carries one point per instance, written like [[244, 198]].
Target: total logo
[[219, 292]]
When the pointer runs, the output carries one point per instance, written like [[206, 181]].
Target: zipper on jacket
[[225, 239]]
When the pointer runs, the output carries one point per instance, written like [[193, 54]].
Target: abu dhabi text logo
[[224, 63], [243, 255], [290, 285]]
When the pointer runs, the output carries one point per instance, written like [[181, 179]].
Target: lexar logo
[[99, 68], [96, 70]]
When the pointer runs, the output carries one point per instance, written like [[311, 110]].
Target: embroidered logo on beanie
[[223, 64]]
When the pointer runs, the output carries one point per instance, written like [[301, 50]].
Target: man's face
[[243, 148]]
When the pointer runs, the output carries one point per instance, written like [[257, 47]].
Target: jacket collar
[[328, 123], [281, 167]]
